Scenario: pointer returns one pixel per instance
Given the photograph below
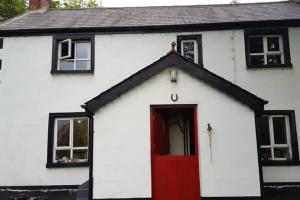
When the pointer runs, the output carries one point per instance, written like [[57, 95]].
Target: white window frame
[[75, 59], [265, 52], [272, 140], [195, 49], [70, 148], [69, 49]]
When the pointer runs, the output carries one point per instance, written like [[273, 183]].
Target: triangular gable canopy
[[173, 59]]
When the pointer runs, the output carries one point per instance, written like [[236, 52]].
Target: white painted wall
[[28, 92], [122, 162]]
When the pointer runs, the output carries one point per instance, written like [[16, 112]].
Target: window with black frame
[[267, 48], [73, 54], [190, 47], [278, 138], [68, 139]]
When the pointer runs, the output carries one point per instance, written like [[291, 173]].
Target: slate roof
[[154, 16], [174, 59]]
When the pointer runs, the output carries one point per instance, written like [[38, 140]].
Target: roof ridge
[[14, 18], [166, 6]]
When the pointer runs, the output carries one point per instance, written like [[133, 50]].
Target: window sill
[[280, 163], [66, 165], [72, 72], [269, 66]]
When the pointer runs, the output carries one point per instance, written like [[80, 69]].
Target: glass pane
[[83, 65], [189, 50], [279, 127], [273, 43], [282, 153], [257, 60], [83, 50], [264, 130], [266, 153], [274, 59], [256, 45], [62, 155], [80, 154], [80, 138], [66, 65], [63, 132], [64, 49]]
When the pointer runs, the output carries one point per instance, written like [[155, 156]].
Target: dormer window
[[190, 47], [73, 55], [267, 48]]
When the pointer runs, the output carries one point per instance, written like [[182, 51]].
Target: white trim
[[75, 59], [266, 52], [71, 147], [69, 41], [272, 144]]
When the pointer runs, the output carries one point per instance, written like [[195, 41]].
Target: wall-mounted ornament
[[173, 75], [174, 97], [210, 131]]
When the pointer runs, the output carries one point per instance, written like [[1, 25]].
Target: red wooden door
[[173, 177]]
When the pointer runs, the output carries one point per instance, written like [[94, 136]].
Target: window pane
[[266, 153], [254, 60], [83, 65], [83, 50], [63, 132], [64, 49], [273, 43], [80, 154], [62, 155], [274, 59], [80, 138], [66, 65], [256, 45], [264, 130], [282, 153], [189, 50], [279, 127]]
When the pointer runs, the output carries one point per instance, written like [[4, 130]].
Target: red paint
[[173, 177]]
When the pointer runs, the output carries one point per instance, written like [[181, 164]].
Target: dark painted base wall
[[32, 192]]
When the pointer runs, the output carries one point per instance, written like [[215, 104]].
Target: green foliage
[[235, 2], [76, 4], [55, 4], [11, 8]]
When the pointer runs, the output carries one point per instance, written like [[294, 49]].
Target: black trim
[[294, 140], [156, 28], [52, 117], [175, 60], [91, 154], [1, 43], [285, 40], [284, 190], [198, 38], [57, 192], [39, 187], [0, 64], [261, 177], [59, 37]]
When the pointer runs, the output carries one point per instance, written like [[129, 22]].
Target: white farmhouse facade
[[100, 95]]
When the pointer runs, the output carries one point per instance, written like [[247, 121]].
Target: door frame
[[170, 106]]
